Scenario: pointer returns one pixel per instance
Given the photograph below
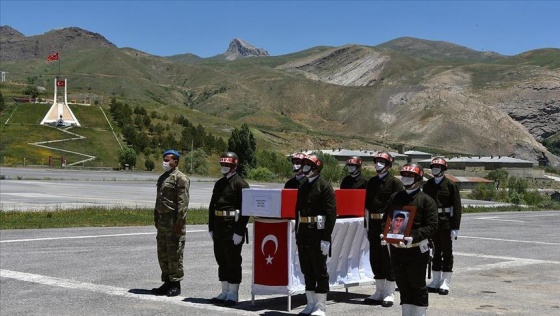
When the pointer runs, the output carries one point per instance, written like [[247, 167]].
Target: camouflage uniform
[[172, 202]]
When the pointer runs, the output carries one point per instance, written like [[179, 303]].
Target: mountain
[[428, 95]]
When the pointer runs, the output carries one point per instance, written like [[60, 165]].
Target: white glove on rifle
[[407, 242], [237, 239], [325, 245], [383, 241], [454, 233]]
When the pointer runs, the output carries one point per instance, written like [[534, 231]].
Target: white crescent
[[269, 238]]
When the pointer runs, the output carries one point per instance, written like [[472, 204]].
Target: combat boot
[[232, 296], [388, 294], [320, 305], [377, 297], [311, 300], [221, 298], [162, 290], [436, 282], [445, 283], [174, 289]]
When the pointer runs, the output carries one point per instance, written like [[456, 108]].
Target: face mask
[[436, 171], [296, 168], [379, 166], [225, 170], [166, 166], [351, 169], [407, 181], [306, 169]]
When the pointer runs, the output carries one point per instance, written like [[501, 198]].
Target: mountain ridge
[[407, 91]]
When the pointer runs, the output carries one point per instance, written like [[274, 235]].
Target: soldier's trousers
[[443, 251], [170, 255], [314, 267], [379, 258], [410, 266]]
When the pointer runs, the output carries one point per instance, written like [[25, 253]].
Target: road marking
[[90, 236], [514, 240], [115, 291], [510, 262], [496, 218]]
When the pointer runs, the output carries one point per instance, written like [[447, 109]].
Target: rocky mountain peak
[[8, 33], [239, 48]]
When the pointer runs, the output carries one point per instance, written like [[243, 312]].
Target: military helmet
[[439, 161], [354, 160], [317, 163], [385, 156], [299, 156], [229, 157], [413, 168]]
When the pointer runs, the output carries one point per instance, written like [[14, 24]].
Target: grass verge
[[116, 217], [89, 217]]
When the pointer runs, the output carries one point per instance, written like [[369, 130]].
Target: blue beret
[[172, 152]]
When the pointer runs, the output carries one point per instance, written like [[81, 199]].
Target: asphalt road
[[505, 264]]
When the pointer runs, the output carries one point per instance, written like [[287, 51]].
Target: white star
[[269, 259]]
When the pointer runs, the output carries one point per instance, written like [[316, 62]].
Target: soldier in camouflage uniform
[[170, 215]]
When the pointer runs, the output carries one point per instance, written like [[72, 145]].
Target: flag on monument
[[60, 83], [53, 57]]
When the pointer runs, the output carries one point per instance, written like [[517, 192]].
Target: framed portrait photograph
[[399, 223]]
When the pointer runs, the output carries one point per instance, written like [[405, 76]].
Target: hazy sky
[[205, 28]]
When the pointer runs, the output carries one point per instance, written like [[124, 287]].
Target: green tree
[[196, 162], [127, 156], [149, 164], [275, 162], [242, 142], [331, 171], [500, 176]]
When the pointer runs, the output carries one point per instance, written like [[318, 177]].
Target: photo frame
[[399, 223]]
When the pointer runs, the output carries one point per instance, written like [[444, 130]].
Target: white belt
[[445, 209]]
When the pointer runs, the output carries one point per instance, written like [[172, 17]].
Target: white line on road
[[510, 262], [90, 236], [115, 291], [514, 240], [496, 218]]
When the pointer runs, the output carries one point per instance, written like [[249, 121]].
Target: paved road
[[28, 189], [505, 264]]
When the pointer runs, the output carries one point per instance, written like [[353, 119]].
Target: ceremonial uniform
[[294, 182], [448, 200], [358, 182], [228, 228], [315, 220], [378, 192]]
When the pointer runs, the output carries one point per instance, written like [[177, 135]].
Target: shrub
[[261, 174]]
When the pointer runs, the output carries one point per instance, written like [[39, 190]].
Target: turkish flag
[[270, 253], [60, 83], [52, 57]]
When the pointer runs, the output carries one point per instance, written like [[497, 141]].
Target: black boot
[[162, 290], [174, 289]]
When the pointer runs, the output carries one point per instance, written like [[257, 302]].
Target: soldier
[[315, 220], [299, 177], [448, 200], [410, 257], [170, 217], [378, 191], [354, 179], [228, 228]]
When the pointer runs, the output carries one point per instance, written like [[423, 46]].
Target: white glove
[[407, 242], [237, 239], [211, 234], [325, 245], [454, 233], [383, 241]]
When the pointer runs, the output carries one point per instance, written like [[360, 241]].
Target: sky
[[205, 28]]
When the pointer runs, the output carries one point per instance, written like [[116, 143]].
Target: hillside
[[421, 94]]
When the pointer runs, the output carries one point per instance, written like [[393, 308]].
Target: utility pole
[[192, 149]]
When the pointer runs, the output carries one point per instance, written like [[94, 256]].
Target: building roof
[[416, 152], [483, 159]]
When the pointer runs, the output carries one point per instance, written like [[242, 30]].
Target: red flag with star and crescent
[[53, 57], [270, 253]]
